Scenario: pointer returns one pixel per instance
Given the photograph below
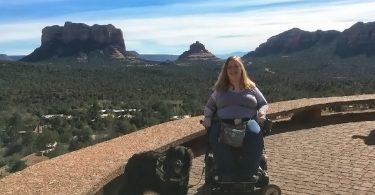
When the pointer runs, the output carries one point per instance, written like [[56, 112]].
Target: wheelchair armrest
[[267, 127]]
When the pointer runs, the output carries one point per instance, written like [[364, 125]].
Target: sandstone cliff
[[78, 40], [294, 40], [358, 39]]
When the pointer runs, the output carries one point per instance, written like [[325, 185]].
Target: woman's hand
[[261, 118], [261, 115], [206, 122]]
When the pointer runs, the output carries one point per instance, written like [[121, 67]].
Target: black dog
[[165, 173]]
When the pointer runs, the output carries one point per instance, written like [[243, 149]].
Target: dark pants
[[251, 151]]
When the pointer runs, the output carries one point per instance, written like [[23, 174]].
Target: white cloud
[[251, 29], [219, 32], [21, 31]]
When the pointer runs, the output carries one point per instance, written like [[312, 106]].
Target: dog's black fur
[[141, 172]]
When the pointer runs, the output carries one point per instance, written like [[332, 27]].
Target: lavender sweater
[[230, 105]]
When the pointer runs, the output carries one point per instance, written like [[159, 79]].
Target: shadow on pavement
[[287, 126], [201, 191], [368, 140]]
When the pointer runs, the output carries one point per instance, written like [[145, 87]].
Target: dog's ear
[[190, 152], [189, 155]]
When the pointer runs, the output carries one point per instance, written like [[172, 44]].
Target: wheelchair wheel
[[263, 181], [206, 190], [209, 171], [271, 190]]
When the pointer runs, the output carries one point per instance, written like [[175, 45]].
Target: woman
[[236, 99]]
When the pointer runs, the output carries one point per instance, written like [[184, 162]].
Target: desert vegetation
[[77, 105]]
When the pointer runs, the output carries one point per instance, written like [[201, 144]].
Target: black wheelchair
[[214, 185]]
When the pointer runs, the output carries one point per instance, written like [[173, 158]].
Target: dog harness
[[162, 174]]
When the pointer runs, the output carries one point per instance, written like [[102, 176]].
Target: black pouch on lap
[[233, 135]]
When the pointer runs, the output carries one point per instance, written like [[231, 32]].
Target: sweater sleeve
[[262, 105], [210, 108]]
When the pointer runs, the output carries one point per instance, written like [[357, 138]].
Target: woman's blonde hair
[[223, 83]]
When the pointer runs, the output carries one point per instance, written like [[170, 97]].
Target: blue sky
[[170, 26]]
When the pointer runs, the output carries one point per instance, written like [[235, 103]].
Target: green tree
[[94, 111], [66, 136], [76, 145], [29, 138], [46, 138], [98, 125], [163, 109], [84, 135], [59, 150], [58, 122], [14, 147], [18, 165], [15, 125], [124, 126]]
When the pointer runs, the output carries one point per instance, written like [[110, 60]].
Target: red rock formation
[[197, 52], [358, 39], [294, 40], [73, 39]]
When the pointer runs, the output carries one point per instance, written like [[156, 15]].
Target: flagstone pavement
[[332, 159]]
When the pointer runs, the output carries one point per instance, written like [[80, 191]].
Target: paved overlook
[[330, 153], [321, 160]]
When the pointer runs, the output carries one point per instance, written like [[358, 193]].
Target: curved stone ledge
[[87, 170], [293, 106]]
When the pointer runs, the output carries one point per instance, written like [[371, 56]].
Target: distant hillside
[[159, 57], [5, 57], [358, 39], [17, 57], [316, 56], [10, 58], [155, 57]]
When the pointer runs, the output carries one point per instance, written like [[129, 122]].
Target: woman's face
[[234, 71]]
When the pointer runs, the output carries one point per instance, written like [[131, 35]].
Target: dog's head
[[178, 162]]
